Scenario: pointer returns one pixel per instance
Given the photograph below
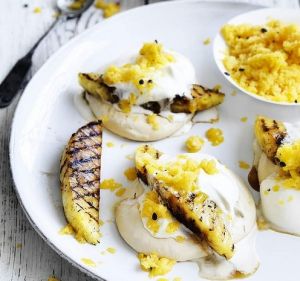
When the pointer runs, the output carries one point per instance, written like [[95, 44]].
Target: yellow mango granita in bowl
[[265, 60]]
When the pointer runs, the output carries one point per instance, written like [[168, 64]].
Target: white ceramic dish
[[257, 17], [46, 117]]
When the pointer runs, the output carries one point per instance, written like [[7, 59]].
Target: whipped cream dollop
[[173, 78], [280, 205]]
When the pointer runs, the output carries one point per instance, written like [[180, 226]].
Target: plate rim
[[24, 94]]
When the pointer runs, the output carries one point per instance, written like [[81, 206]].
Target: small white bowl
[[257, 17]]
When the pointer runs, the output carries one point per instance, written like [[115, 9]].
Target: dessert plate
[[257, 17], [47, 115]]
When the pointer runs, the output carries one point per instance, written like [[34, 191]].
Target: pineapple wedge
[[269, 134], [203, 98], [80, 178], [202, 216]]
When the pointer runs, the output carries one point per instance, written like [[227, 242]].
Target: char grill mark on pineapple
[[80, 179], [94, 85], [269, 134], [204, 222], [202, 98]]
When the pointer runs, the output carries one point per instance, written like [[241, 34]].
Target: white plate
[[257, 17], [46, 117]]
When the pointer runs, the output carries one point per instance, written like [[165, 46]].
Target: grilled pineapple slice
[[196, 211], [269, 134], [93, 84], [80, 178], [203, 98]]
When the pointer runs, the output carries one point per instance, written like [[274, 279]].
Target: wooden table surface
[[23, 254]]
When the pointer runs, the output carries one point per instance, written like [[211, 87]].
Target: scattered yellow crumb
[[52, 278], [120, 192], [130, 174], [162, 279], [209, 166], [77, 5], [262, 224], [280, 202], [290, 198], [56, 14], [155, 265], [276, 188], [234, 93], [67, 230], [88, 262], [180, 239], [109, 9], [110, 184], [244, 119], [215, 136], [19, 245], [110, 144], [101, 222], [177, 279], [172, 227], [194, 144], [153, 211], [37, 10], [104, 118], [152, 121], [124, 106], [111, 250], [244, 165], [288, 154], [265, 59], [206, 41], [266, 192]]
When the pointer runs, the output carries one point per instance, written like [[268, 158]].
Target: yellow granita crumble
[[289, 157], [120, 192], [155, 265], [172, 227], [130, 174], [151, 57], [265, 59], [153, 210], [244, 165], [206, 41], [110, 144], [126, 104], [194, 144], [152, 121], [88, 262], [77, 5], [215, 136], [181, 174], [209, 166], [109, 9]]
